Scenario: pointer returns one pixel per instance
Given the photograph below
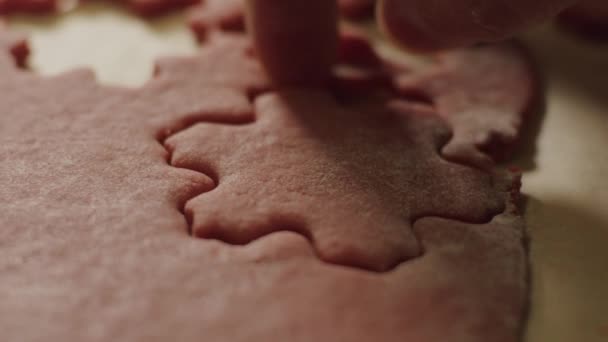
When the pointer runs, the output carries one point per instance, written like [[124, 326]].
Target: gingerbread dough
[[101, 185]]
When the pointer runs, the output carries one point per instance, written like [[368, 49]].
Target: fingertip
[[295, 40]]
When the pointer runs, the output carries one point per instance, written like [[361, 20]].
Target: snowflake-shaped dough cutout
[[352, 180]]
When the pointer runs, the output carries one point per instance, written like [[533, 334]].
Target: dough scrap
[[228, 15], [29, 6], [487, 93], [149, 8]]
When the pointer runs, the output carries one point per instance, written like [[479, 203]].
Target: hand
[[429, 25], [297, 39]]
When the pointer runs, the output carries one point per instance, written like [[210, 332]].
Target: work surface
[[566, 163]]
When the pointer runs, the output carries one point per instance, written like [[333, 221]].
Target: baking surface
[[566, 211]]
